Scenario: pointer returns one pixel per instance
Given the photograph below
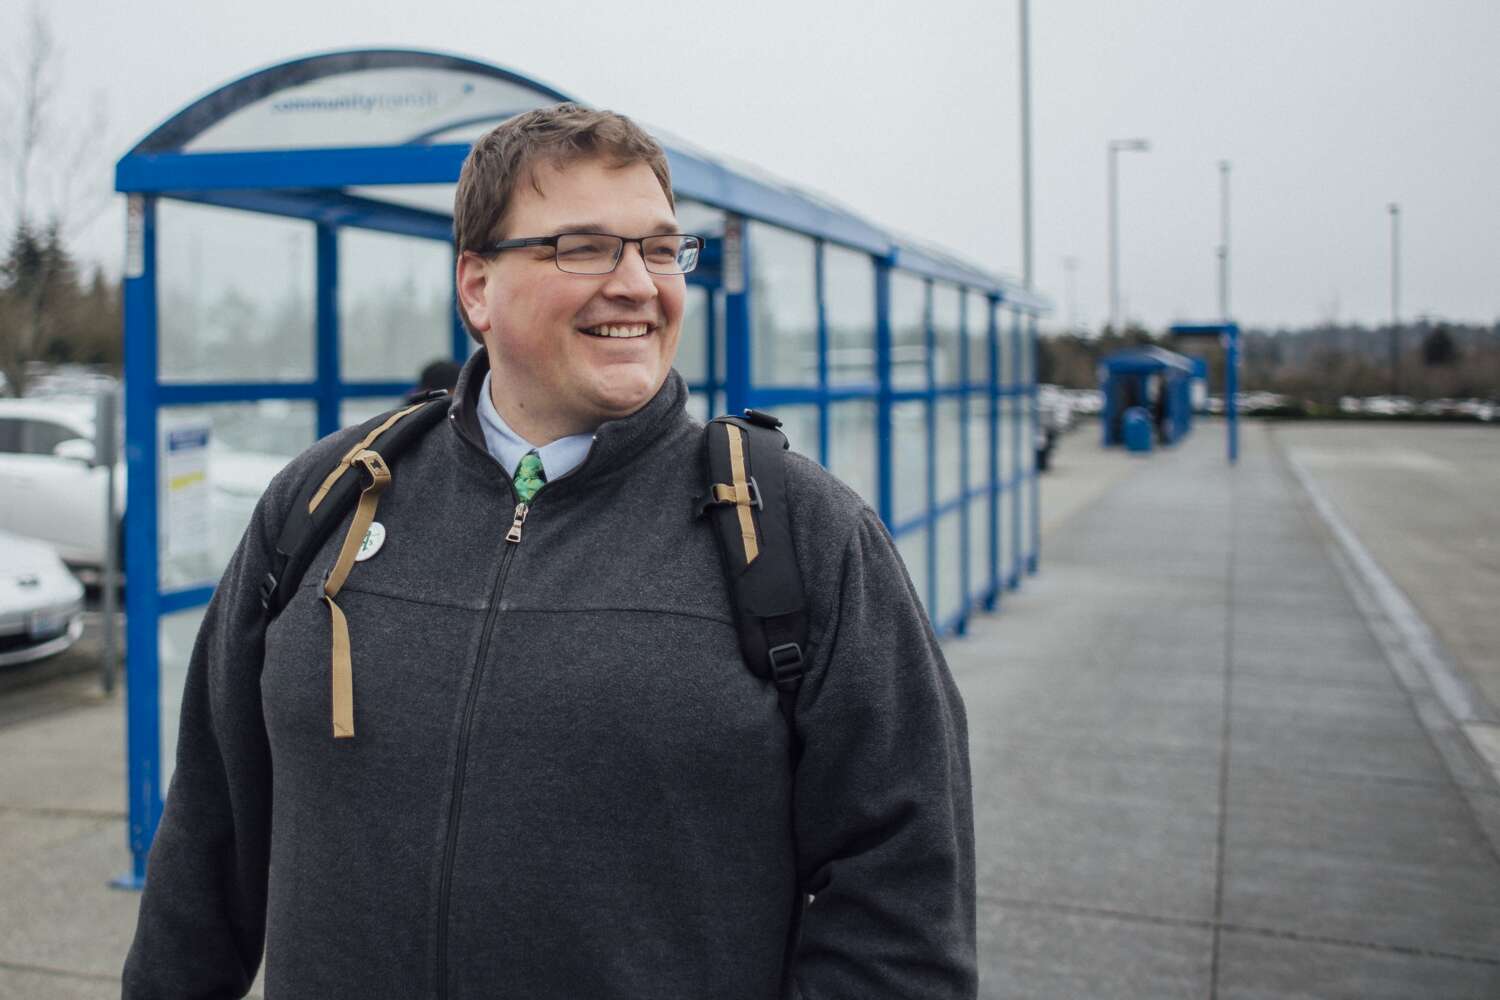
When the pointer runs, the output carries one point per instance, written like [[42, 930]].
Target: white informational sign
[[185, 516], [135, 236], [732, 263]]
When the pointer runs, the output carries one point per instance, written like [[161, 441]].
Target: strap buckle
[[762, 418], [786, 665], [267, 591], [375, 467], [725, 493]]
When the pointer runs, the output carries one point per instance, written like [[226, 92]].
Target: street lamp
[[1117, 146], [1395, 211], [1224, 241]]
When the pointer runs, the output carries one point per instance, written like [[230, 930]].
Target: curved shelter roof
[[374, 137], [1146, 360]]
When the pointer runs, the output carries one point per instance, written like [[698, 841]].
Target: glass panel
[[949, 450], [949, 568], [908, 460], [387, 106], [800, 425], [1002, 345], [908, 336], [362, 408], [945, 346], [853, 455], [692, 348], [175, 635], [428, 197], [913, 549], [215, 462], [784, 307], [1028, 351], [976, 338], [698, 219], [1007, 496], [697, 407], [849, 309], [235, 295], [395, 305], [979, 546]]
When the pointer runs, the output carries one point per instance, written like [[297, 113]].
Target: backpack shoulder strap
[[745, 459], [327, 495]]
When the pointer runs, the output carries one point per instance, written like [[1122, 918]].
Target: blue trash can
[[1138, 429]]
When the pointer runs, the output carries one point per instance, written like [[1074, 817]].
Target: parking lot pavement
[[1201, 769], [1421, 499], [1199, 772]]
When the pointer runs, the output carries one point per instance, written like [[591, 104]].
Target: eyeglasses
[[599, 253]]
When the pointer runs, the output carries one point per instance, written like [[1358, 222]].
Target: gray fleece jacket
[[565, 782]]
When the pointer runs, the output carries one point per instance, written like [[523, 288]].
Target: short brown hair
[[560, 134]]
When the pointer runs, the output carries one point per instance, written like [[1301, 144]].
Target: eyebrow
[[662, 228]]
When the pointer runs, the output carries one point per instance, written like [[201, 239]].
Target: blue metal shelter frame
[[1125, 374], [995, 390]]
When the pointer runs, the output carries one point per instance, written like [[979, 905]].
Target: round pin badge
[[373, 540]]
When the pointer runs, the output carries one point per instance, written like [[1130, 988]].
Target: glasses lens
[[671, 254], [588, 253]]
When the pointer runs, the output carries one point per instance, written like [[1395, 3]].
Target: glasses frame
[[490, 249]]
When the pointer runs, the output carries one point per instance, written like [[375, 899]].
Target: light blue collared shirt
[[558, 458]]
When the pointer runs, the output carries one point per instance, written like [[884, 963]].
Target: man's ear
[[471, 279]]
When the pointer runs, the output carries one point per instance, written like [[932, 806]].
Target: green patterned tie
[[529, 476]]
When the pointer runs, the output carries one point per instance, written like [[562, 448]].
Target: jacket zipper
[[455, 808]]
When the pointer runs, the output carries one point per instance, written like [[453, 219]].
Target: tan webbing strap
[[343, 666], [343, 675], [348, 459], [738, 492]]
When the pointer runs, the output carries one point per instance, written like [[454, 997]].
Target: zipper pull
[[514, 534]]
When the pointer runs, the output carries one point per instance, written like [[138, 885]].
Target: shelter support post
[[142, 673]]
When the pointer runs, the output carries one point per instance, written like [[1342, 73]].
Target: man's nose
[[630, 279]]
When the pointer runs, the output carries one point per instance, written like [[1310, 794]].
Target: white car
[[41, 603], [51, 486]]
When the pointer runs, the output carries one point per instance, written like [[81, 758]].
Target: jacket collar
[[616, 442]]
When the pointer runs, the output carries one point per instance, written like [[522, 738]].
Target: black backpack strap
[[324, 499], [747, 504]]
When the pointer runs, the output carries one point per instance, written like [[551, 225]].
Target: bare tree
[[54, 172]]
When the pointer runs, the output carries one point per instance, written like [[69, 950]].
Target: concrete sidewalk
[[1201, 770], [1199, 773]]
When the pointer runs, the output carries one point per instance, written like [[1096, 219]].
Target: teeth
[[616, 330]]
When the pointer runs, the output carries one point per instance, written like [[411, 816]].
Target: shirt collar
[[558, 458]]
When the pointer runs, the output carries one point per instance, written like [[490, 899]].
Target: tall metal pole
[[1395, 211], [1114, 241], [1070, 277], [1026, 272], [1116, 146], [1224, 241]]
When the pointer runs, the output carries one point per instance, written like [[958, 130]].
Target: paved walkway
[[1200, 773], [1203, 768]]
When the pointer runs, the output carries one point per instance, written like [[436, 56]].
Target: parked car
[[51, 485], [41, 603]]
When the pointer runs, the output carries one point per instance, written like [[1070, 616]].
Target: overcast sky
[[908, 113]]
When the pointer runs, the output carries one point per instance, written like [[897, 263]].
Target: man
[[562, 779]]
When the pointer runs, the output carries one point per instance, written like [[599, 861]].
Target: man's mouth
[[622, 331]]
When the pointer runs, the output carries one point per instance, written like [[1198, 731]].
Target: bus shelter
[[289, 270], [1157, 380]]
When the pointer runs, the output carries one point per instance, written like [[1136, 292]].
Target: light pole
[[1026, 275], [1395, 211], [1117, 146], [1070, 274], [1224, 241]]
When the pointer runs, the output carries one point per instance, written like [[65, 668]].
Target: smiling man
[[559, 781]]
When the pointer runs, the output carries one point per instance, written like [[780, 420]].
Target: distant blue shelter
[[1158, 380], [289, 270]]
